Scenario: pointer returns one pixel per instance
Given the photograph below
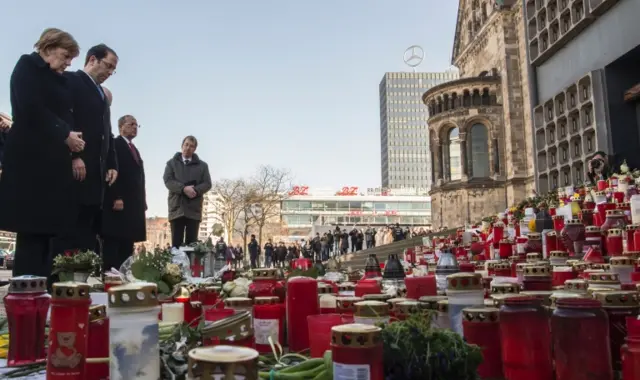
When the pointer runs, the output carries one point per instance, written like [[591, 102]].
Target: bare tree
[[271, 187], [230, 199], [246, 220]]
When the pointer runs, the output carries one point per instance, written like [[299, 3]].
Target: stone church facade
[[480, 125]]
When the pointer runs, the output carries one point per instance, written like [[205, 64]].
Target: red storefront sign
[[348, 190], [299, 190]]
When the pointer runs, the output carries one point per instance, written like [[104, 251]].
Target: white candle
[[173, 312]]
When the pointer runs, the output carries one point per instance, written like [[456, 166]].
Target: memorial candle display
[[630, 231], [371, 312], [27, 305], [498, 232], [536, 277], [551, 243], [301, 302], [562, 274], [268, 322], [614, 242], [68, 331], [464, 290], [97, 365], [558, 258], [133, 318], [623, 266], [357, 349]]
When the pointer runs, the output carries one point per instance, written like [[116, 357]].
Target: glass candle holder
[[551, 243], [27, 305], [604, 280], [463, 290], [406, 308], [629, 232], [623, 266], [173, 312], [235, 330], [536, 277], [586, 217], [133, 332], [498, 232], [481, 327], [615, 219], [576, 286], [371, 312], [526, 352], [558, 258], [562, 274], [97, 364], [534, 257], [558, 223], [357, 348], [393, 303], [581, 340], [68, 331], [534, 243], [268, 322], [222, 362], [505, 288], [573, 236], [443, 320], [346, 305], [505, 249], [300, 305], [327, 303]]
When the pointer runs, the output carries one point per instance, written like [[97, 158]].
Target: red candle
[[481, 327], [99, 347], [267, 322], [357, 348], [301, 302], [27, 304], [630, 231], [505, 250], [558, 223], [536, 278], [581, 340], [526, 352], [69, 328], [498, 233], [614, 242], [420, 286]]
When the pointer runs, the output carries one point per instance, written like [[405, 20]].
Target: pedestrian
[[187, 178]]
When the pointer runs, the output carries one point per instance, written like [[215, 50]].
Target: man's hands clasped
[[75, 142], [190, 192]]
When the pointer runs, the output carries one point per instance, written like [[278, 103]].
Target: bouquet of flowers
[[158, 267], [77, 262], [200, 249]]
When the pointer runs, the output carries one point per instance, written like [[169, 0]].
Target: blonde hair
[[53, 38]]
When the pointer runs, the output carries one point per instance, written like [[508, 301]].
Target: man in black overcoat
[[123, 222], [96, 166]]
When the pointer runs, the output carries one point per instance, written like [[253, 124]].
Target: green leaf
[[163, 287], [151, 275]]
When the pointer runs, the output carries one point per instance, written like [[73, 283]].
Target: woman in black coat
[[36, 198]]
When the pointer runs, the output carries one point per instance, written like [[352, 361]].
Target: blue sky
[[290, 83]]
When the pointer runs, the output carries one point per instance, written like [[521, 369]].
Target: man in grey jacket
[[188, 179]]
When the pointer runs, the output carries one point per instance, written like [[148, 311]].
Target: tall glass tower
[[404, 136]]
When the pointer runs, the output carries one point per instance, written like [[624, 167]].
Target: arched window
[[479, 151], [455, 165]]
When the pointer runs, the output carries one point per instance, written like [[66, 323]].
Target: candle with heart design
[[68, 331]]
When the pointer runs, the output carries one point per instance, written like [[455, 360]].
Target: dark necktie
[[186, 162], [134, 152]]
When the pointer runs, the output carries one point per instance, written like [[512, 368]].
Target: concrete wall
[[610, 36]]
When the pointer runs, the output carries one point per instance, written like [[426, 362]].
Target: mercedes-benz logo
[[413, 56]]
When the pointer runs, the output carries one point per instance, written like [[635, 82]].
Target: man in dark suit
[[96, 166], [125, 204]]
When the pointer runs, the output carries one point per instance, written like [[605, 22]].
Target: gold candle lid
[[347, 302], [265, 273], [238, 302], [574, 222], [371, 309], [592, 229], [633, 255], [505, 288], [493, 264], [601, 266], [464, 281], [133, 294], [534, 236], [604, 278], [112, 279], [443, 306], [498, 299], [543, 295], [618, 299], [97, 312], [266, 300], [481, 314], [408, 307], [324, 288], [576, 285], [551, 233], [632, 227], [431, 302], [537, 270], [557, 217], [70, 291], [237, 326], [614, 231], [580, 266], [534, 256], [615, 213], [356, 335], [572, 261], [555, 296], [599, 289], [207, 362], [520, 267], [393, 301], [498, 224], [621, 261], [559, 254], [377, 297], [27, 284]]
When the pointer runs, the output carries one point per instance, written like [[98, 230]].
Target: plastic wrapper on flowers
[[165, 268]]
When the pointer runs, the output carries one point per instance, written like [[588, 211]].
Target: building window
[[479, 151], [455, 166]]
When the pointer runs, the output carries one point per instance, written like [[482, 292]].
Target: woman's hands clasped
[[75, 142]]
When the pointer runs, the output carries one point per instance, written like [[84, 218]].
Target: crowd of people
[[66, 182]]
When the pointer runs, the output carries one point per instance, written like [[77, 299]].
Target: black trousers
[[85, 234], [184, 231], [34, 256], [114, 252]]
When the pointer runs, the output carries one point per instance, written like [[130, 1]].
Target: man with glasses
[[96, 166]]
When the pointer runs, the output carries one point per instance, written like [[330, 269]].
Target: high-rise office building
[[404, 136]]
